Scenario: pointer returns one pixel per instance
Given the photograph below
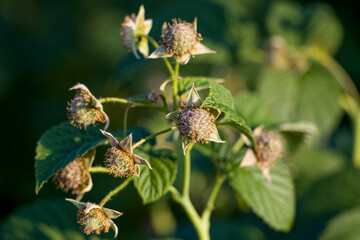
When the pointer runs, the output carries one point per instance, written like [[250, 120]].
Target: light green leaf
[[273, 201], [185, 84], [323, 29], [220, 98], [284, 19], [318, 100], [344, 226], [278, 91], [45, 219], [312, 97], [253, 109], [62, 144], [153, 184]]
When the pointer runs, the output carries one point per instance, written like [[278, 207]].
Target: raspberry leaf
[[153, 184], [63, 143], [220, 98], [273, 201]]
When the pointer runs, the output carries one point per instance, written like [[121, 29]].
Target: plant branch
[[125, 120], [210, 204], [131, 103], [187, 171], [175, 85], [344, 80], [153, 135], [156, 46], [98, 169], [115, 191]]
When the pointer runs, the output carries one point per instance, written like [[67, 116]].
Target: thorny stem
[[153, 135], [115, 191], [98, 170]]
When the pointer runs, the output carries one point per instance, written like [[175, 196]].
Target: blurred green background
[[48, 46]]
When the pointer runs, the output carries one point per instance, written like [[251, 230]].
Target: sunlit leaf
[[220, 98]]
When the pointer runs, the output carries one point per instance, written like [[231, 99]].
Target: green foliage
[[186, 83], [220, 98], [333, 193], [62, 144], [324, 29], [153, 184], [344, 226], [310, 97], [273, 201], [253, 109], [313, 164], [284, 19], [45, 219]]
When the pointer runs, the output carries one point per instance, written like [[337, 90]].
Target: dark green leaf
[[312, 164], [63, 143], [344, 226], [45, 219], [273, 201], [153, 184], [336, 192]]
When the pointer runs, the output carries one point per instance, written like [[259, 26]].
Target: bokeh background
[[48, 46]]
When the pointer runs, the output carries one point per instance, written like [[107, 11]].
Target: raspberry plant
[[251, 161]]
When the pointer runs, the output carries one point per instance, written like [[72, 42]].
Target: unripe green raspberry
[[269, 148], [196, 123], [74, 177], [94, 220], [81, 110], [180, 38], [120, 163]]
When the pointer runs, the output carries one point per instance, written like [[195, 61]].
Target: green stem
[[210, 204], [238, 145], [153, 135], [115, 191], [98, 170], [356, 153], [175, 85], [156, 46], [125, 120], [131, 103], [201, 227], [344, 80], [187, 171]]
